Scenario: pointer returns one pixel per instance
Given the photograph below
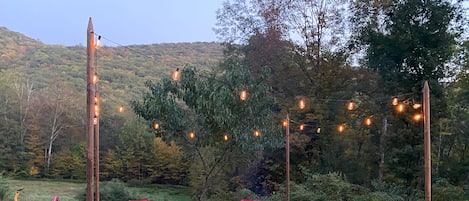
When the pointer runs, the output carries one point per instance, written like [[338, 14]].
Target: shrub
[[3, 187]]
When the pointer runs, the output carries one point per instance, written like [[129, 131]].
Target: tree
[[59, 112], [208, 104], [408, 42]]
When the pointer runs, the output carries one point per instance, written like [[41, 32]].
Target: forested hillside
[[43, 93], [122, 69]]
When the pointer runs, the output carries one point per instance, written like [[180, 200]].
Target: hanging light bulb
[[156, 125], [257, 133], [176, 74], [350, 105], [192, 135], [400, 107], [243, 95], [95, 78], [98, 43], [121, 109], [302, 127], [96, 109], [341, 128], [395, 101], [95, 120], [368, 121], [416, 106], [302, 104], [418, 117], [225, 137]]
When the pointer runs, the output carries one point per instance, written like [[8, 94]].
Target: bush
[[3, 187], [443, 190], [114, 190]]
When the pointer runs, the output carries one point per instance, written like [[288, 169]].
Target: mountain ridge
[[122, 69]]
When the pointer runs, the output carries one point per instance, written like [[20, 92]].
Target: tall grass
[[44, 190]]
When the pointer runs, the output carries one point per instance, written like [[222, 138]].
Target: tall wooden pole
[[427, 142], [90, 112], [287, 153], [96, 143]]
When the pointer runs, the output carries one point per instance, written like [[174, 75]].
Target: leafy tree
[[168, 165], [69, 163], [408, 42], [208, 105], [60, 109]]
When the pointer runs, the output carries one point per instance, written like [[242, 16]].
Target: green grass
[[45, 190]]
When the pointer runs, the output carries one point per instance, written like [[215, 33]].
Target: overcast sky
[[126, 22]]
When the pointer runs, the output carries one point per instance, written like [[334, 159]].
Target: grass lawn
[[45, 190]]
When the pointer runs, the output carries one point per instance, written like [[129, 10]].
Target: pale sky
[[126, 22]]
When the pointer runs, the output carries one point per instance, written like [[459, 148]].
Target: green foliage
[[69, 164], [4, 187], [116, 190], [167, 163], [443, 190]]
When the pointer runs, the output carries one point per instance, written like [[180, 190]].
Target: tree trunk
[[382, 148]]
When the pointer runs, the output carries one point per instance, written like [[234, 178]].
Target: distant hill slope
[[122, 70]]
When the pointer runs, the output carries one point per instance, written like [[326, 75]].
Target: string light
[[418, 117], [368, 121], [400, 107], [318, 130], [96, 110], [95, 78], [98, 43], [121, 109], [192, 135], [416, 105], [285, 123], [176, 74], [225, 137], [243, 95], [156, 125], [302, 104], [350, 105], [95, 120], [302, 127], [257, 133], [395, 101], [341, 128]]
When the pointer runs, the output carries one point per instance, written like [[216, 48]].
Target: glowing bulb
[[400, 107], [395, 101], [341, 128], [96, 110], [418, 117], [368, 121], [98, 43], [121, 109], [176, 74], [156, 125], [95, 120], [225, 137], [95, 78], [302, 127], [417, 105], [285, 123], [243, 95], [318, 131], [350, 105], [192, 135], [257, 133], [302, 104]]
